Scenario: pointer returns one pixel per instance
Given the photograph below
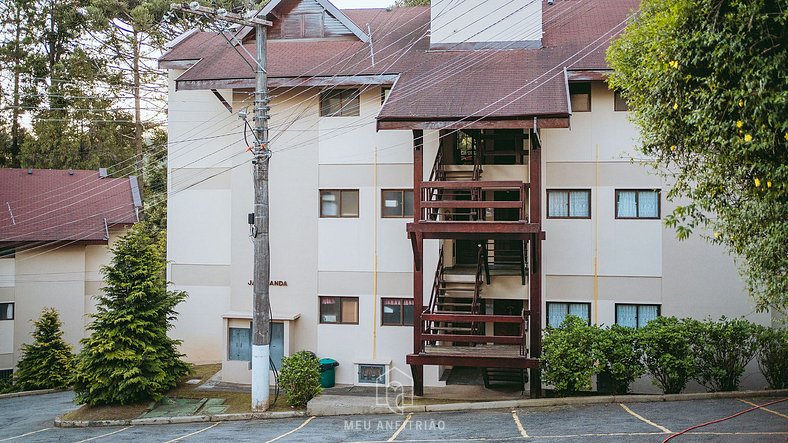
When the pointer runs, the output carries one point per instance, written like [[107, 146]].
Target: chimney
[[485, 24]]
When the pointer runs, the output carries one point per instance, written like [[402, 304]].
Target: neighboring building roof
[[62, 205], [432, 85]]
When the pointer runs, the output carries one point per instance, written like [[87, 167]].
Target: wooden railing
[[436, 283], [519, 339], [431, 201]]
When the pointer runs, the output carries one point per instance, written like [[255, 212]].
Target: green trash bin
[[327, 373]]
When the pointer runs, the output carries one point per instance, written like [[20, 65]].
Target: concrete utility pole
[[261, 319]]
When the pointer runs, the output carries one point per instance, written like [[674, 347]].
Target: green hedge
[[670, 350]]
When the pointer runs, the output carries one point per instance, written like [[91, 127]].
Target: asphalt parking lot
[[30, 419]]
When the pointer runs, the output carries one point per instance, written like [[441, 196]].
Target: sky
[[348, 4]]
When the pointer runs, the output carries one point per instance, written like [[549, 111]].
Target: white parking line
[[193, 433], [104, 435], [645, 420], [519, 424], [294, 430], [25, 435], [779, 414], [401, 428]]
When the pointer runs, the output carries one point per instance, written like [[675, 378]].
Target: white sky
[[348, 4]]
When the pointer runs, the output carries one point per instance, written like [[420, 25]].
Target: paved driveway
[[30, 419]]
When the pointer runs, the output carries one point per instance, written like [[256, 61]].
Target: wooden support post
[[535, 304], [418, 263]]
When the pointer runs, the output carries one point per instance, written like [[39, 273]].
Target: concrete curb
[[60, 423], [29, 393], [447, 407]]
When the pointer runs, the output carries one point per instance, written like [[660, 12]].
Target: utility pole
[[261, 317]]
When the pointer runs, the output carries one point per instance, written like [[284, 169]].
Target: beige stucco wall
[[64, 277]]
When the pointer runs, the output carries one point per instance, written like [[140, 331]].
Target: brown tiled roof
[[436, 85], [54, 205]]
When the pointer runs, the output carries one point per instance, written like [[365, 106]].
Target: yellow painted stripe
[[645, 420], [294, 430], [401, 428], [779, 414], [519, 424]]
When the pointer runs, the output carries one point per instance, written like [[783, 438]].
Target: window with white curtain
[[635, 316], [6, 311], [557, 312], [568, 203], [637, 203]]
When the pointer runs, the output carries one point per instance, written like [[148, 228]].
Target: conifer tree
[[47, 363], [128, 357]]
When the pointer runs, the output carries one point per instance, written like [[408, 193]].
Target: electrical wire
[[723, 419]]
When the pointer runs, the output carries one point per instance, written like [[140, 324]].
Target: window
[[6, 374], [396, 203], [339, 310], [397, 312], [7, 252], [557, 312], [339, 203], [568, 203], [619, 102], [635, 316], [6, 311], [580, 97], [239, 346], [372, 374], [637, 204], [340, 103], [384, 94]]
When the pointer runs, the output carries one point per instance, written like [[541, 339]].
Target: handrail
[[477, 287], [435, 288]]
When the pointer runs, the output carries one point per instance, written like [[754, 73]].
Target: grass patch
[[237, 402]]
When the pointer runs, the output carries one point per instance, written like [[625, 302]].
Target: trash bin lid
[[329, 361]]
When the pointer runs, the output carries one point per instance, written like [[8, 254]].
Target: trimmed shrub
[[722, 349], [300, 378], [773, 356], [667, 354], [128, 357], [570, 356], [47, 363], [621, 357]]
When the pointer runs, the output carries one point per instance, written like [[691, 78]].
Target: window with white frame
[[637, 203], [568, 203], [558, 311], [634, 315]]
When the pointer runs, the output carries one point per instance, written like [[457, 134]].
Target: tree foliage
[[300, 378], [722, 350], [570, 356], [47, 363], [773, 356], [128, 357], [409, 3], [705, 80]]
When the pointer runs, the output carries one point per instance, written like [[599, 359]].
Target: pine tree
[[128, 357], [47, 363]]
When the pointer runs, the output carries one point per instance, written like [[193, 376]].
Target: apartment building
[[56, 229], [446, 181]]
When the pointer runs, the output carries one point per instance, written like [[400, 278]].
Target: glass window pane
[[626, 206], [581, 102], [648, 204], [240, 346], [579, 310], [392, 204], [349, 310], [329, 204], [408, 204], [350, 103], [578, 204], [6, 311], [408, 311], [646, 313], [619, 103], [329, 310], [626, 315], [349, 204], [556, 313], [392, 311], [557, 203]]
